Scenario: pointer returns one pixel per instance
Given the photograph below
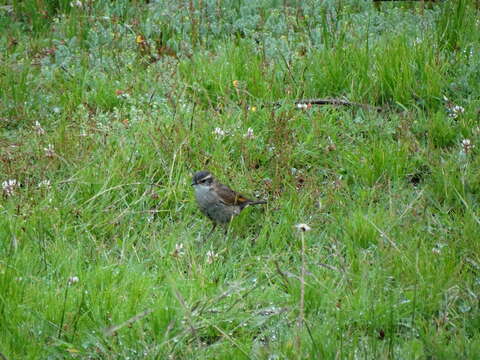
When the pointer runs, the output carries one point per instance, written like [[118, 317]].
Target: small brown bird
[[218, 201]]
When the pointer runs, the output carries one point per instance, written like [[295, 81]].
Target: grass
[[107, 109]]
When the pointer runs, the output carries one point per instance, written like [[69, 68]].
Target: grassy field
[[107, 108]]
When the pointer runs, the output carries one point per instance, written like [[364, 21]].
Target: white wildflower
[[303, 227], [38, 128], [44, 184], [268, 181], [457, 110], [304, 106], [178, 251], [331, 146], [454, 111], [211, 257], [9, 187], [49, 151], [249, 134], [219, 132], [467, 146], [76, 3], [73, 280], [437, 249]]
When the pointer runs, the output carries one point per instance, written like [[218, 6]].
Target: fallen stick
[[305, 103], [407, 0]]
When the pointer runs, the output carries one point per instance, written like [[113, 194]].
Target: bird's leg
[[227, 227], [211, 231]]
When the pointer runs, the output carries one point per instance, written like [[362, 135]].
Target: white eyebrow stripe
[[206, 177]]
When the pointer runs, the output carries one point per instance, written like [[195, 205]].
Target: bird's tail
[[248, 202], [258, 202]]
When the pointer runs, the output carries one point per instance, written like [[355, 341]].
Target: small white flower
[[73, 280], [455, 110], [249, 134], [218, 132], [38, 128], [268, 181], [302, 106], [56, 110], [303, 227], [211, 257], [178, 251], [9, 187], [437, 249], [123, 95], [467, 146], [76, 3], [44, 184], [49, 151]]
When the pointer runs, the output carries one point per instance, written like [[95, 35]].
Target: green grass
[[128, 96]]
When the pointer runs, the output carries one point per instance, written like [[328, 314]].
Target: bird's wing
[[230, 197]]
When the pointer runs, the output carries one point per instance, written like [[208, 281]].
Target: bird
[[217, 201]]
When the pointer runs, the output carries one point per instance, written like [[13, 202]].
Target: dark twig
[[407, 0], [64, 68], [193, 114], [330, 101], [151, 96]]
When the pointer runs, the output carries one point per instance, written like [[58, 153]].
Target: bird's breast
[[211, 205], [204, 194]]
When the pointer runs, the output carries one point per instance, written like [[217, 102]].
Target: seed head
[[303, 227], [9, 187]]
